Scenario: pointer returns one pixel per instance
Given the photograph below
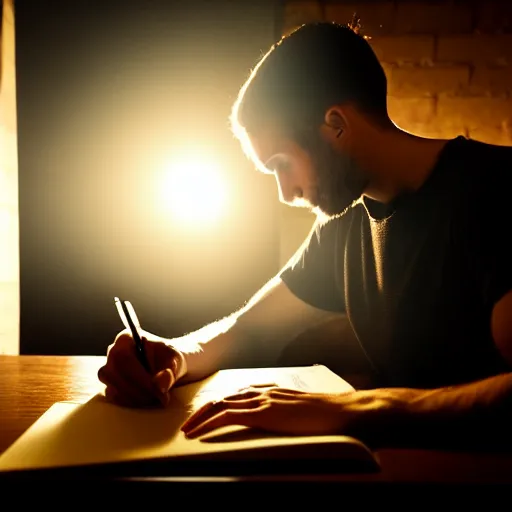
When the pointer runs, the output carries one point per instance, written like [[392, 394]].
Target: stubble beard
[[340, 180]]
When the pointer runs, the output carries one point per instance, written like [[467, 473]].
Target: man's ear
[[336, 122]]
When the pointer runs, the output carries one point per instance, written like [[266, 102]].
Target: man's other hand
[[279, 410]]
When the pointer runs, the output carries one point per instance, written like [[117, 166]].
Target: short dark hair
[[314, 67]]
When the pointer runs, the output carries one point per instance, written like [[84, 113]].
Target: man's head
[[304, 109]]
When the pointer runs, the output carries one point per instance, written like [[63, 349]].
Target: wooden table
[[31, 384]]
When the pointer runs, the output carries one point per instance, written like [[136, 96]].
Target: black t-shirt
[[419, 279]]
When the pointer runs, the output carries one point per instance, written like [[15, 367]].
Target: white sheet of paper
[[314, 379]]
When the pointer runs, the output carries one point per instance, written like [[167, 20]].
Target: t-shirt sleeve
[[315, 273], [497, 264], [491, 213], [497, 272]]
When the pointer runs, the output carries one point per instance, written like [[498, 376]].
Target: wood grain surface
[[29, 385]]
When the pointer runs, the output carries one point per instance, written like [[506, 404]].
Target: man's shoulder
[[482, 154], [483, 183], [480, 166]]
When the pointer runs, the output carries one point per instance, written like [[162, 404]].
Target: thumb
[[164, 380]]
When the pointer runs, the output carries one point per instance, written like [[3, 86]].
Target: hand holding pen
[[139, 372]]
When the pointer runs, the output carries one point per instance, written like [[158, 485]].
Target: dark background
[[105, 89]]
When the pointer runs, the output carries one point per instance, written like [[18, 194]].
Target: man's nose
[[288, 189]]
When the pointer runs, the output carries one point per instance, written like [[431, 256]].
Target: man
[[411, 243]]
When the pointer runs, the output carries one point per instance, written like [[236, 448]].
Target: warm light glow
[[194, 191]]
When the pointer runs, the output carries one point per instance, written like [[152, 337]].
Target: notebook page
[[314, 379]]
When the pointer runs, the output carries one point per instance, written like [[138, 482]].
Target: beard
[[340, 181]]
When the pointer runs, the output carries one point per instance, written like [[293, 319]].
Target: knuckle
[[123, 339], [110, 394], [175, 364], [162, 350], [219, 406], [158, 349], [106, 376], [121, 349], [102, 375], [171, 350], [165, 356], [123, 332]]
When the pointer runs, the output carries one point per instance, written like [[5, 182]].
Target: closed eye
[[278, 164]]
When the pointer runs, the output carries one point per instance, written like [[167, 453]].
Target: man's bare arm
[[259, 331], [471, 415], [475, 415], [478, 413]]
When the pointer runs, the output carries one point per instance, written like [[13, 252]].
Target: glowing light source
[[193, 191]]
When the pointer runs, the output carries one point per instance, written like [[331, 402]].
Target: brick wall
[[448, 63], [9, 252]]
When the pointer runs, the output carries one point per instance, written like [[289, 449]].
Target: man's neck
[[398, 163]]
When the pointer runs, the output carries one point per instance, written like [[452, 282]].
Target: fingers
[[243, 417], [125, 363], [101, 375], [112, 396], [161, 356], [127, 380], [244, 395], [250, 391], [164, 380], [211, 409], [236, 409], [250, 399], [284, 393], [269, 385], [122, 390], [253, 391]]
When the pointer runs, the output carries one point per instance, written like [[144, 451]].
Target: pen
[[130, 321]]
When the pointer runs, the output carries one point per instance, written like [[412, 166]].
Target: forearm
[[206, 350], [226, 343], [210, 348], [475, 415], [255, 335]]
